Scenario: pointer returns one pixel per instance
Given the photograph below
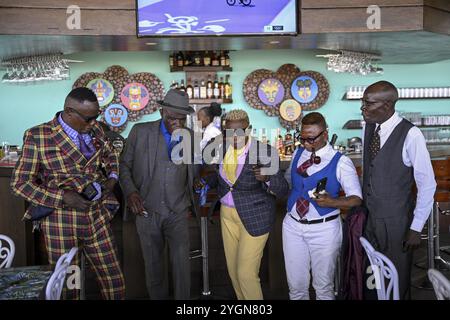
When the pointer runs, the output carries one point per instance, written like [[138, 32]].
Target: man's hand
[[73, 200], [258, 175], [324, 200], [198, 184], [412, 240], [135, 203]]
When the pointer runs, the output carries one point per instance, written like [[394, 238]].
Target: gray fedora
[[177, 101]]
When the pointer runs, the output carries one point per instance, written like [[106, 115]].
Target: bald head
[[378, 102]]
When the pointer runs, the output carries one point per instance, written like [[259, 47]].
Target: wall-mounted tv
[[215, 17]]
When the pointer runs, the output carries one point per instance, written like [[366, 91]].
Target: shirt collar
[[389, 123], [71, 132]]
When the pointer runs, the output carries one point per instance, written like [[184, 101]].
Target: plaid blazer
[[51, 163], [254, 200]]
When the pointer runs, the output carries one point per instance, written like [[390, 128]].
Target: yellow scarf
[[230, 162]]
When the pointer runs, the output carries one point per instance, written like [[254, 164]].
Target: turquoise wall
[[23, 106]]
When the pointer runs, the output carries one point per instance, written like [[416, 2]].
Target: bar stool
[[442, 174]]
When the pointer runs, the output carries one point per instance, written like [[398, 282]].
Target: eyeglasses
[[311, 140], [86, 119]]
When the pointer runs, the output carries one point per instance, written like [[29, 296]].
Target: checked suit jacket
[[51, 163], [255, 201]]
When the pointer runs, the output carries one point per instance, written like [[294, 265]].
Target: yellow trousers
[[243, 253]]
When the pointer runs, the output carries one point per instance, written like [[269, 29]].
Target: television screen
[[215, 17]]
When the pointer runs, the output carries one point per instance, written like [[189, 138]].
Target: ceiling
[[395, 47]]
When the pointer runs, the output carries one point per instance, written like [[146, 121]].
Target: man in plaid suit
[[67, 172], [248, 181]]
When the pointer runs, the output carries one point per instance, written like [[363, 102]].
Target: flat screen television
[[171, 18]]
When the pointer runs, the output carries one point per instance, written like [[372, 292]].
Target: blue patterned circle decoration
[[116, 115], [304, 89]]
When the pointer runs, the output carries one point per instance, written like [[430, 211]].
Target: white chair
[[6, 252], [56, 282], [384, 272], [440, 283]]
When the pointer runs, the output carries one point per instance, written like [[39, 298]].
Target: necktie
[[303, 204], [374, 145], [86, 149]]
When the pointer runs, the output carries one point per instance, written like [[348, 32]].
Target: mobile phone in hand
[[321, 185]]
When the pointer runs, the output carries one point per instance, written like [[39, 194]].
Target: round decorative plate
[[103, 89], [304, 89], [134, 96], [271, 91], [116, 115], [290, 110]]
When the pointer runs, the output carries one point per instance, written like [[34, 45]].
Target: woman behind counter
[[210, 122]]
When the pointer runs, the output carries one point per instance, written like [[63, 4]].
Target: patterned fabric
[[87, 150], [254, 201], [374, 145], [23, 283], [51, 163], [73, 134], [302, 204]]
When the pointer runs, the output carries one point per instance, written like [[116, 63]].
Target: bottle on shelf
[[196, 90], [180, 59], [174, 85], [187, 59], [207, 59], [171, 60], [228, 89], [221, 88], [215, 60], [203, 90], [209, 88], [264, 136], [182, 87], [216, 91], [189, 89], [227, 59], [222, 59], [197, 59]]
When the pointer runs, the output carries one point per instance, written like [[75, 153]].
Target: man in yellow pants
[[248, 181]]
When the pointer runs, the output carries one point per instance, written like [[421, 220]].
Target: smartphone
[[321, 185]]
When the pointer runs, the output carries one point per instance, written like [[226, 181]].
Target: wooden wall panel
[[436, 20], [53, 22], [354, 19], [438, 4], [63, 4], [315, 4]]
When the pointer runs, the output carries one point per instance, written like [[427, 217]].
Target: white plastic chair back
[[6, 252], [56, 282], [441, 284], [384, 271]]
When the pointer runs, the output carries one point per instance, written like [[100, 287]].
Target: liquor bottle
[[180, 59], [171, 63], [182, 87], [216, 91], [187, 59], [221, 88], [203, 90], [197, 59], [196, 90], [222, 59], [228, 89], [215, 60], [264, 136], [174, 85], [189, 89], [227, 59], [206, 59], [209, 88]]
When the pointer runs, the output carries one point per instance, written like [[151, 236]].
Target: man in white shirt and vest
[[312, 233], [395, 157]]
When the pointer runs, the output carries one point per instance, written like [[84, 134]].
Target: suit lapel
[[65, 144], [153, 145]]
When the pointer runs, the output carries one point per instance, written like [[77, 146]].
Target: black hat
[[177, 101]]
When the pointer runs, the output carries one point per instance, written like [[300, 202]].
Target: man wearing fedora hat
[[160, 193]]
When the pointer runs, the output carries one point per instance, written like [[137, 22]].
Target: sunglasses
[[311, 140], [86, 119]]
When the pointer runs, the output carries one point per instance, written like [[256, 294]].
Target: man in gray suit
[[159, 192]]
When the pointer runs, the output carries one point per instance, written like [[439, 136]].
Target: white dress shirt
[[211, 131], [345, 174], [415, 154]]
